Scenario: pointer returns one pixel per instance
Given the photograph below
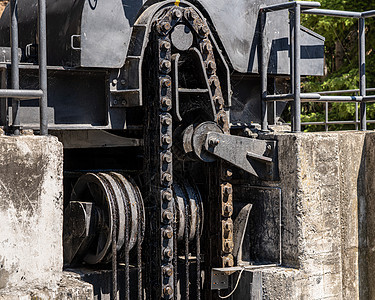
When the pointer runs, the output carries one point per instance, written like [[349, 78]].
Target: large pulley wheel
[[114, 199]]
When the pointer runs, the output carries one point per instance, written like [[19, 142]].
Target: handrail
[[295, 9], [15, 93]]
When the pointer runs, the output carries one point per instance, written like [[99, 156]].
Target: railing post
[[326, 116], [362, 71], [296, 67], [43, 66], [263, 70], [291, 58], [15, 80]]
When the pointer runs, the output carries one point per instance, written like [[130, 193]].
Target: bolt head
[[168, 253], [166, 65], [167, 158], [168, 291], [166, 102], [166, 121], [165, 45], [165, 26], [166, 139], [167, 177], [165, 82], [167, 196], [228, 172], [168, 233], [168, 271], [177, 13], [167, 215]]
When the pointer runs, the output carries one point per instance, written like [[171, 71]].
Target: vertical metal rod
[[274, 112], [198, 250], [297, 75], [263, 70], [187, 273], [362, 71], [356, 116], [3, 101], [291, 61], [326, 116], [42, 57], [15, 80]]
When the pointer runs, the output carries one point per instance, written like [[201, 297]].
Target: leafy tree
[[341, 61]]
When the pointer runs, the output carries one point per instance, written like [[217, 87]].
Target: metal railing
[[15, 92], [295, 9]]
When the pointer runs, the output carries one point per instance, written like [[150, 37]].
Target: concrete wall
[[328, 224], [31, 202]]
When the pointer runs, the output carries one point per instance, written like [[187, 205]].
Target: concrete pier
[[31, 218], [327, 187]]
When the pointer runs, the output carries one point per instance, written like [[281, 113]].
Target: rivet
[[168, 253], [166, 82], [177, 13], [166, 139], [168, 271], [165, 65], [165, 45], [167, 158], [167, 215], [166, 102], [168, 291]]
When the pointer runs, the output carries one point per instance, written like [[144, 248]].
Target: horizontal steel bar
[[287, 5], [368, 14], [344, 91], [333, 13], [21, 94], [370, 98], [290, 97], [340, 98]]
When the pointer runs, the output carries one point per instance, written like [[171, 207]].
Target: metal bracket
[[258, 157], [78, 40]]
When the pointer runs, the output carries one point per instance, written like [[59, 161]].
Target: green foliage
[[342, 72]]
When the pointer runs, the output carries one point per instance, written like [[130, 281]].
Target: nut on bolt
[[165, 45], [166, 82], [167, 271], [166, 102], [166, 139], [168, 233], [168, 253], [167, 216], [165, 26], [165, 65], [166, 120], [177, 13], [167, 291], [167, 177], [167, 196], [167, 158]]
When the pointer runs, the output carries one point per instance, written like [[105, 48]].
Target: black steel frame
[[295, 9], [15, 92]]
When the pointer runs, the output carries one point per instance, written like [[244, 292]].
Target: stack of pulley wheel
[[105, 209]]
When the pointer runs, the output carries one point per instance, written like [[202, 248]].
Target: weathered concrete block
[[30, 211]]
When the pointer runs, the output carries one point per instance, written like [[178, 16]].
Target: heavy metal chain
[[164, 25]]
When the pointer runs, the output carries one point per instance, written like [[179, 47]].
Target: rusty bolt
[[207, 46], [228, 190], [222, 118], [167, 177], [166, 82], [168, 253], [228, 261], [167, 196], [228, 209], [228, 245], [167, 215], [166, 102], [166, 139], [228, 173], [211, 66], [203, 29], [228, 226], [215, 81], [165, 65], [167, 271], [177, 13], [168, 291], [165, 45], [165, 26], [168, 233]]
